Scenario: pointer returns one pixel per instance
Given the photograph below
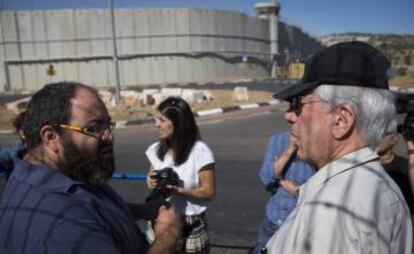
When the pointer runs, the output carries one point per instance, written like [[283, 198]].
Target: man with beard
[[57, 199]]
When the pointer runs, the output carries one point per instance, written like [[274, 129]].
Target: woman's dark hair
[[185, 132], [50, 105]]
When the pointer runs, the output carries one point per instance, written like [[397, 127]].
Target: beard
[[94, 170]]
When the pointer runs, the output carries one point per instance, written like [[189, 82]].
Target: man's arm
[[281, 162], [167, 231], [410, 152], [206, 189], [266, 171], [290, 187]]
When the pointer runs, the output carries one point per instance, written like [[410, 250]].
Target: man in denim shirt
[[280, 165], [7, 154], [6, 159]]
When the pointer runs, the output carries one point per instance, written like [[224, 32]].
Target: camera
[[405, 105], [157, 198], [273, 186], [164, 177]]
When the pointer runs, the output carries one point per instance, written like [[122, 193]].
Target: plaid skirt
[[194, 238]]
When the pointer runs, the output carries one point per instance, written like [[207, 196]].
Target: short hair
[[185, 132], [50, 105], [375, 109]]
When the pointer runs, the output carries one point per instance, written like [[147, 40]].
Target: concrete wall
[[295, 44], [165, 45]]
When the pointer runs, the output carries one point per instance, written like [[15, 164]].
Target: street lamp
[[115, 55]]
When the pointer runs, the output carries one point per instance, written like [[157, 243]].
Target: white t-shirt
[[200, 156]]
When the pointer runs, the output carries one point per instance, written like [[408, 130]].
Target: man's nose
[[291, 117]]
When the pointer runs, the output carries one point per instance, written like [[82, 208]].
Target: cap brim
[[292, 90]]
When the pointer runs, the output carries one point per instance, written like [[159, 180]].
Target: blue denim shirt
[[281, 204], [6, 158], [44, 211]]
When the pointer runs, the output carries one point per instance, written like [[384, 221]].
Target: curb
[[6, 131], [217, 111], [214, 111], [202, 113], [198, 114]]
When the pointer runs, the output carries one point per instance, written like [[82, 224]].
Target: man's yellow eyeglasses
[[96, 131]]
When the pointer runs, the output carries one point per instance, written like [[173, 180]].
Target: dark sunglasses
[[296, 104]]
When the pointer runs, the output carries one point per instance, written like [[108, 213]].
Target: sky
[[317, 17]]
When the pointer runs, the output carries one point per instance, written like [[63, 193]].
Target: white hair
[[374, 108]]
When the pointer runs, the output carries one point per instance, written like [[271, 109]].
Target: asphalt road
[[238, 141]]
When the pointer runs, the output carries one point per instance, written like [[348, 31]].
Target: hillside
[[398, 48]]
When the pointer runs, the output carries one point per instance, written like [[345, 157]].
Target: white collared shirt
[[349, 206]]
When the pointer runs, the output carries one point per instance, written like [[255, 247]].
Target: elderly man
[[57, 199], [339, 112]]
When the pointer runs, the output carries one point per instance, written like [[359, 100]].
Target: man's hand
[[280, 162], [293, 144], [290, 187], [151, 180], [167, 230]]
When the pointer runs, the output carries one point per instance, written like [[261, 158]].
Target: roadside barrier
[[118, 176], [129, 176]]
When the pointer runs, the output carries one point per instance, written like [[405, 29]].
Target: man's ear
[[50, 138], [344, 121]]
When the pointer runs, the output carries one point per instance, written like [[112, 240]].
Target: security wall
[[155, 46], [295, 44]]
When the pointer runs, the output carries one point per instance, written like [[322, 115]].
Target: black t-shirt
[[398, 170]]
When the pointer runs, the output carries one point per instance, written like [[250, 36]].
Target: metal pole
[[274, 36], [6, 71], [115, 55]]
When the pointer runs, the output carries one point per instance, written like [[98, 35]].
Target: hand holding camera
[[163, 183], [151, 180]]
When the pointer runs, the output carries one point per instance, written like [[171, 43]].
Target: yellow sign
[[51, 71], [296, 70]]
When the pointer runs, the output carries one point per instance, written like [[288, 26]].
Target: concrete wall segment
[[9, 25], [2, 56], [100, 33], [196, 26], [141, 30], [170, 40], [182, 26], [51, 34], [83, 32]]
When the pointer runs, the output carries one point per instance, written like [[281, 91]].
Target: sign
[[51, 71]]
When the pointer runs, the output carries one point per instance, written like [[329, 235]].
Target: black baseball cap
[[347, 63]]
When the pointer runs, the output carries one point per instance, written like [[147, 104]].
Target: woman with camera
[[180, 148]]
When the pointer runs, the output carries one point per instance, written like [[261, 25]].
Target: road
[[238, 141]]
